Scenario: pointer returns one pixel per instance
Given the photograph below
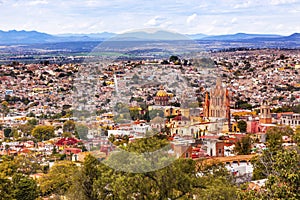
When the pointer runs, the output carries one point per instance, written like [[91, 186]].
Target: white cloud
[[245, 4], [191, 18], [37, 2], [233, 20], [279, 2], [156, 21], [188, 16]]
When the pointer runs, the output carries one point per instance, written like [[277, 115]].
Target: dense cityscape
[[225, 120], [149, 100]]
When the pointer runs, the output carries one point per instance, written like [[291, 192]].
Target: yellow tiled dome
[[161, 93]]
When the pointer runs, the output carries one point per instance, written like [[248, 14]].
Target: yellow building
[[235, 127], [171, 111]]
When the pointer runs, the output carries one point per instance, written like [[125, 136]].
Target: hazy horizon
[[213, 17], [138, 30]]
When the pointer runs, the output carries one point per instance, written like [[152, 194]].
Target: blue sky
[[212, 17]]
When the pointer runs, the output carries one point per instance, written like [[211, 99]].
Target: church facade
[[216, 108]]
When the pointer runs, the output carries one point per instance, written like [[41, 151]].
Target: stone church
[[216, 108]]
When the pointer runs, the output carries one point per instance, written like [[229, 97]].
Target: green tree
[[69, 126], [283, 173], [274, 137], [5, 188], [84, 186], [173, 58], [15, 133], [43, 132], [149, 144], [19, 164], [19, 186], [31, 114], [236, 117], [243, 146], [82, 131], [26, 164], [32, 122], [59, 179], [242, 125], [5, 108], [179, 179], [263, 164], [215, 183], [282, 109], [217, 188], [8, 167], [8, 132], [296, 136], [24, 188], [285, 183], [66, 135], [26, 129], [135, 113], [112, 138]]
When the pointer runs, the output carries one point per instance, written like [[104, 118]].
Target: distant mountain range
[[34, 37], [240, 36], [24, 37]]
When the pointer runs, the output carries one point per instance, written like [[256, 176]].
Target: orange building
[[265, 114]]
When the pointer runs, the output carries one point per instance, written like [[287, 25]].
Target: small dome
[[157, 120], [161, 93]]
